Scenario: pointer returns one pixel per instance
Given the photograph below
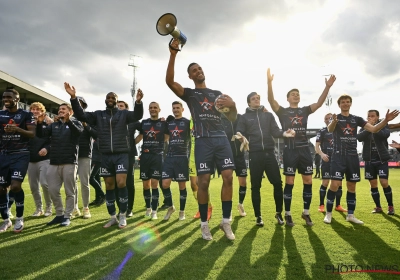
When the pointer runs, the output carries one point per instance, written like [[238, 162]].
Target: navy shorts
[[241, 167], [13, 167], [373, 170], [297, 159], [342, 165], [213, 151], [326, 169], [150, 166], [176, 168], [112, 164]]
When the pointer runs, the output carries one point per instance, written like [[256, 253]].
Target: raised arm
[[328, 83], [272, 102], [79, 114], [169, 79], [137, 113], [389, 116]]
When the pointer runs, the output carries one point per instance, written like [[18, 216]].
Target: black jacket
[[113, 136], [230, 130], [36, 144], [64, 140], [259, 127], [86, 141], [381, 143]]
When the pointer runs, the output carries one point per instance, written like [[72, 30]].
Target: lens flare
[[146, 238]]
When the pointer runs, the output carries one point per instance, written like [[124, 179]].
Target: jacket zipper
[[262, 138], [112, 150]]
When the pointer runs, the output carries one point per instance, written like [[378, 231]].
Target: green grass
[[174, 249]]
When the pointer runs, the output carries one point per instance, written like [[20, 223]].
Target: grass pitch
[[174, 249]]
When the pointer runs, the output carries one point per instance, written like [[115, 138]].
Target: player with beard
[[17, 126], [344, 156], [324, 147], [113, 139], [212, 145], [153, 132], [296, 154], [376, 156], [176, 165]]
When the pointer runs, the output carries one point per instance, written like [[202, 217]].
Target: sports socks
[[242, 194], [376, 197], [287, 196], [123, 199], [388, 194], [307, 195], [351, 202], [330, 198], [322, 193], [19, 203], [182, 199], [155, 195], [226, 209], [167, 196], [147, 197], [339, 194], [110, 202], [203, 209], [4, 206]]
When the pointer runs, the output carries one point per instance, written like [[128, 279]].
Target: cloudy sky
[[88, 43]]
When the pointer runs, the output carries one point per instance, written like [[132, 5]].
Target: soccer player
[[94, 179], [212, 145], [176, 164], [114, 146], [193, 176], [238, 157], [324, 147], [130, 182], [39, 161], [344, 159], [64, 135], [153, 132], [376, 156], [17, 126], [258, 125], [296, 154]]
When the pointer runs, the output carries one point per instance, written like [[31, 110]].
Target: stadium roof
[[28, 93]]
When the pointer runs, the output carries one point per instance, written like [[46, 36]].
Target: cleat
[[66, 222], [169, 213], [154, 215], [100, 201], [339, 208], [197, 216], [129, 213], [164, 207], [205, 232], [148, 213], [48, 211], [377, 210], [111, 222], [289, 220], [226, 227], [10, 215], [182, 215], [209, 213], [351, 218], [321, 208], [307, 218], [5, 225], [56, 220], [122, 220], [75, 213], [390, 210], [39, 212], [19, 224], [259, 222], [241, 210], [86, 213], [328, 218], [279, 219]]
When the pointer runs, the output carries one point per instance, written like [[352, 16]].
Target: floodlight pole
[[134, 62]]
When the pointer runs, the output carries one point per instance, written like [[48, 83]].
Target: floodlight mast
[[134, 61]]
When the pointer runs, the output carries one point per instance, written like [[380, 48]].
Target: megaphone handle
[[172, 46]]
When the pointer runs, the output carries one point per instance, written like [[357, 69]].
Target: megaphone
[[166, 25]]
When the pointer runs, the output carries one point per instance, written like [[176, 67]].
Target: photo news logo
[[362, 268]]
